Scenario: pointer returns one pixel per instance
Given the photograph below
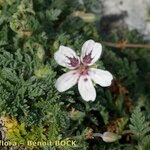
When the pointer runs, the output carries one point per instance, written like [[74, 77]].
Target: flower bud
[[110, 137]]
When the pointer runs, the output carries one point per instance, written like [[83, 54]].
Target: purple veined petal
[[86, 88], [91, 52], [67, 57], [101, 77], [67, 80]]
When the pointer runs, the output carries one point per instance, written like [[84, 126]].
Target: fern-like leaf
[[139, 126]]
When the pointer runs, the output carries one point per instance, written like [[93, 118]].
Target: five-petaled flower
[[81, 71]]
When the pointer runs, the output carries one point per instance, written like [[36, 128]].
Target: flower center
[[83, 70]]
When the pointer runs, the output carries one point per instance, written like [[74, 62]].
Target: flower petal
[[101, 77], [91, 52], [67, 80], [67, 57], [86, 88]]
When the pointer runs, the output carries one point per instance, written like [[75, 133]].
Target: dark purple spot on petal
[[74, 62], [85, 79], [87, 58]]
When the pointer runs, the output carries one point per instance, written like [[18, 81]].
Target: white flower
[[81, 72]]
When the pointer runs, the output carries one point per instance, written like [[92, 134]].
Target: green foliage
[[140, 128]]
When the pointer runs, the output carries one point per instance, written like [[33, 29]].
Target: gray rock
[[137, 13]]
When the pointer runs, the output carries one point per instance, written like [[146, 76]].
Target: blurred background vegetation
[[31, 108]]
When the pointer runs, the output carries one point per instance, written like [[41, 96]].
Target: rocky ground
[[135, 14]]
